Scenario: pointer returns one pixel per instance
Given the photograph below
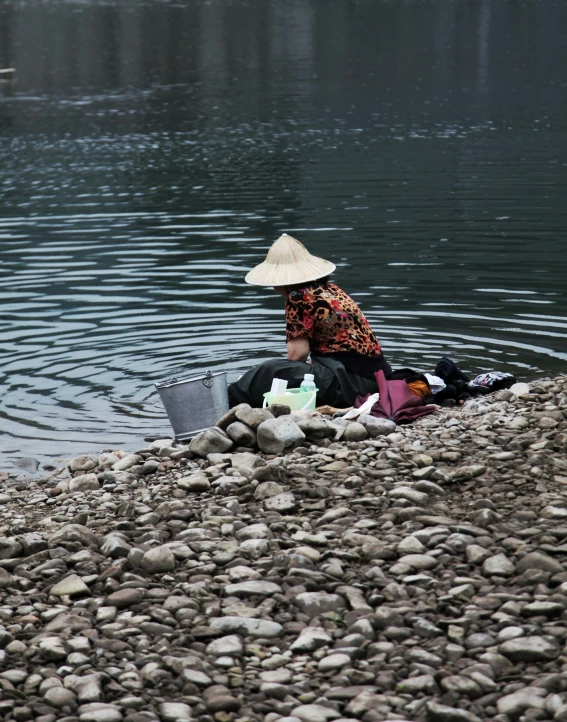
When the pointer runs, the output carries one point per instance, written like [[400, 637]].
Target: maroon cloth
[[396, 402]]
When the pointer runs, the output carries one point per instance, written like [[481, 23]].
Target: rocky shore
[[364, 573]]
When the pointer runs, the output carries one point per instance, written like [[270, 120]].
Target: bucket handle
[[305, 408]]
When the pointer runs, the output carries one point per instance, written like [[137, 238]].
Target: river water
[[150, 152]]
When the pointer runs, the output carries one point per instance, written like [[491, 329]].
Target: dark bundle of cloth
[[458, 386], [457, 382]]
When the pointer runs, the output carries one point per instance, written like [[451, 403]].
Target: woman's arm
[[298, 349]]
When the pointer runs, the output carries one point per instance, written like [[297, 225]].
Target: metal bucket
[[194, 404]]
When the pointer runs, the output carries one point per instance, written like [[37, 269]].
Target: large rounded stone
[[210, 441], [71, 586], [75, 533], [278, 435], [124, 598], [315, 603], [158, 560], [253, 417], [83, 463], [541, 561], [85, 482], [247, 627], [241, 434], [529, 649], [59, 697]]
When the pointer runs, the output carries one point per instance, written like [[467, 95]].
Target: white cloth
[[437, 384]]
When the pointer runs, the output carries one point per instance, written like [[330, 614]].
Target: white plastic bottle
[[308, 383]]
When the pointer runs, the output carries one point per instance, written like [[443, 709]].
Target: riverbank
[[420, 574]]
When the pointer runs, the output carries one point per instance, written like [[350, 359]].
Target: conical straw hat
[[288, 262]]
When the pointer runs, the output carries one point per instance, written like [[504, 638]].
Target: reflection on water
[[151, 151]]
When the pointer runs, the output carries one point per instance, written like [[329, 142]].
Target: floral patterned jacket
[[330, 319]]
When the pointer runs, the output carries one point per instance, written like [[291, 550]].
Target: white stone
[[498, 565], [529, 649], [100, 712], [514, 704], [520, 389], [174, 712], [70, 586], [210, 441], [85, 482], [333, 662], [52, 648], [376, 427], [315, 603], [127, 462], [59, 697], [315, 713], [158, 560], [410, 545], [247, 627], [281, 502], [229, 645], [253, 587]]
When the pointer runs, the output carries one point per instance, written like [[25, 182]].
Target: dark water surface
[[151, 151]]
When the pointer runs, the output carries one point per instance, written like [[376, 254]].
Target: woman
[[326, 333]]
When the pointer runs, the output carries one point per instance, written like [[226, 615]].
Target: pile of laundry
[[406, 395]]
